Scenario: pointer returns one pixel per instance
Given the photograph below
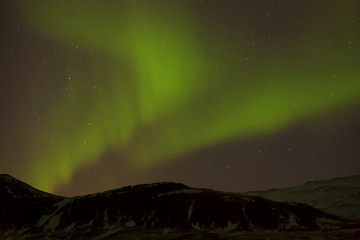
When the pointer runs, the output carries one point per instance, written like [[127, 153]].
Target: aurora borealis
[[234, 95]]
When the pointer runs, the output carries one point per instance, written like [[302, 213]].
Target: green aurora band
[[154, 88]]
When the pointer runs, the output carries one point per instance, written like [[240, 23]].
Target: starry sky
[[230, 95]]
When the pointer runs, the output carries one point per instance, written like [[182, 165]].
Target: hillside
[[150, 208], [339, 196]]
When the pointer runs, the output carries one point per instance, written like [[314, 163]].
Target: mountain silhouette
[[150, 208]]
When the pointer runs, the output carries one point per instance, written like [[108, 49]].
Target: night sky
[[231, 95]]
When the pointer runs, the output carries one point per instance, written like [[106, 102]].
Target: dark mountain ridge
[[158, 207]]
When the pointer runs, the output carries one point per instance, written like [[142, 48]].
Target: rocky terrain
[[161, 210]]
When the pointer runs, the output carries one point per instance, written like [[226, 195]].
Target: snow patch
[[9, 190], [62, 203], [229, 198], [54, 222], [196, 226], [246, 198], [69, 228], [44, 219], [130, 224], [325, 223], [190, 210], [231, 226], [151, 214], [292, 222], [51, 219], [167, 230], [183, 191], [106, 220]]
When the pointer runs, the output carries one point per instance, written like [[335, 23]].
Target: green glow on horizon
[[161, 91]]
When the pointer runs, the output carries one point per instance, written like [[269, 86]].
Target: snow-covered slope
[[160, 207], [339, 196]]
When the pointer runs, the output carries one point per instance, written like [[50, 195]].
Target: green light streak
[[166, 92]]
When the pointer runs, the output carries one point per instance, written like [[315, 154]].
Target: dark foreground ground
[[297, 235]]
